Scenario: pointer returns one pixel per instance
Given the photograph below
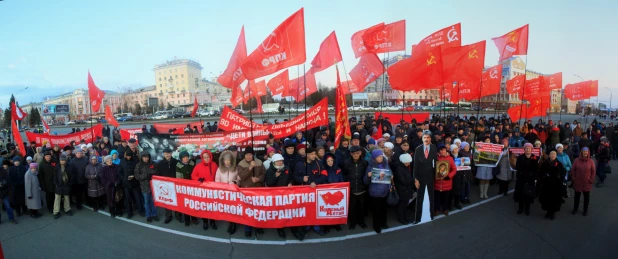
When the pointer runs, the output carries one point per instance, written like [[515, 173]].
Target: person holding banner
[[144, 171], [251, 173], [227, 174], [484, 174], [184, 168], [278, 175], [205, 171], [525, 186], [444, 184], [167, 168]]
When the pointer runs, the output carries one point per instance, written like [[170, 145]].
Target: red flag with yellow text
[[513, 43], [284, 47], [517, 112], [342, 126], [464, 63]]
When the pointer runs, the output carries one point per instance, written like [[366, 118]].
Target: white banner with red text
[[268, 207]]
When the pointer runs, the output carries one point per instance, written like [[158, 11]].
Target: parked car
[[205, 113], [239, 111], [355, 108], [331, 108], [70, 123], [489, 109]]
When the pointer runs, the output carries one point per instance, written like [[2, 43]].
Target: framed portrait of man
[[442, 169]]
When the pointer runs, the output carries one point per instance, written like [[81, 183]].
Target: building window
[[159, 79], [176, 76], [160, 85], [182, 75]]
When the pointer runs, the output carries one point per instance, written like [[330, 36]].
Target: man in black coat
[[78, 168], [46, 179], [425, 158], [132, 193], [354, 170], [167, 168]]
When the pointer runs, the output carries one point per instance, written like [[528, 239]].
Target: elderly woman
[[227, 173], [457, 179], [378, 191], [443, 185], [505, 174], [583, 173], [404, 184], [484, 174], [109, 178], [17, 174], [33, 191], [525, 185], [551, 180], [95, 187]]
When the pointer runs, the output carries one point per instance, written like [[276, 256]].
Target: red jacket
[[208, 171], [582, 173], [446, 185]]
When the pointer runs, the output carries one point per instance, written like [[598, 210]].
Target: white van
[[162, 115]]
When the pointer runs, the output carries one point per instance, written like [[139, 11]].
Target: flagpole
[[523, 92], [458, 104], [298, 87], [496, 104], [561, 93], [348, 80], [305, 85], [443, 104], [250, 114], [404, 106]]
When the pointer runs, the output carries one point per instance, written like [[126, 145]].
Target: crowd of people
[[116, 174]]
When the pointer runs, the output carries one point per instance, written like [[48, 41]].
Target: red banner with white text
[[180, 127], [231, 120], [272, 207], [62, 140], [314, 117]]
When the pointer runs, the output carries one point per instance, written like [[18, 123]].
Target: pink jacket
[[582, 173]]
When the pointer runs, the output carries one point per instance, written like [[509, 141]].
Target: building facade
[[176, 79]]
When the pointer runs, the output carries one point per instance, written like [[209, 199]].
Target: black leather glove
[[447, 178], [201, 180]]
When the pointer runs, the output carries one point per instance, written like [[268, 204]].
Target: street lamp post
[[610, 100]]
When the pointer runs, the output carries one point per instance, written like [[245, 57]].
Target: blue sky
[[49, 46]]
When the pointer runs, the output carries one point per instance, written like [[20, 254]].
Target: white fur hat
[[405, 158]]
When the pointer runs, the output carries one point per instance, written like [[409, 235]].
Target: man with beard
[[425, 157], [278, 175], [167, 168]]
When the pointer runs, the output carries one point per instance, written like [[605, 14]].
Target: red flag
[[386, 38], [536, 111], [594, 88], [447, 37], [342, 127], [17, 137], [515, 112], [259, 105], [17, 113], [280, 84], [237, 96], [535, 88], [554, 81], [284, 47], [449, 92], [368, 69], [258, 89], [515, 85], [195, 106], [45, 126], [298, 89], [109, 117], [464, 63], [469, 90], [348, 87], [578, 91], [96, 95], [378, 134], [492, 78], [233, 76], [328, 55], [513, 43], [358, 45], [246, 94], [422, 71]]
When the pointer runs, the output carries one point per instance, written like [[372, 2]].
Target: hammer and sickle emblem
[[473, 54], [513, 37], [431, 59], [493, 73], [452, 34]]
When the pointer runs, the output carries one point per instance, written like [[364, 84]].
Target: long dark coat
[[551, 184], [527, 172]]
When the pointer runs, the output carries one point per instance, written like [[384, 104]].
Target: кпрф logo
[[164, 192]]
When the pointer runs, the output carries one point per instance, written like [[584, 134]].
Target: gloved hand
[[447, 178], [201, 180], [30, 198]]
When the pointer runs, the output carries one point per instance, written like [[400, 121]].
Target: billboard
[[55, 109]]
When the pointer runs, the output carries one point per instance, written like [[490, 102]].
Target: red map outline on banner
[[257, 207], [63, 140]]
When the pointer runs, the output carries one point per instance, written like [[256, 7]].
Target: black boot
[[205, 226], [231, 228], [213, 224]]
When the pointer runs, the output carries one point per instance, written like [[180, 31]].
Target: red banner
[[126, 134], [397, 117], [447, 37], [463, 63], [386, 38], [17, 113], [358, 45], [180, 127], [491, 81], [578, 91], [421, 71], [231, 120], [17, 137], [89, 135], [554, 81], [342, 128], [368, 69], [515, 84], [271, 207], [315, 117], [284, 47], [297, 86], [594, 88]]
